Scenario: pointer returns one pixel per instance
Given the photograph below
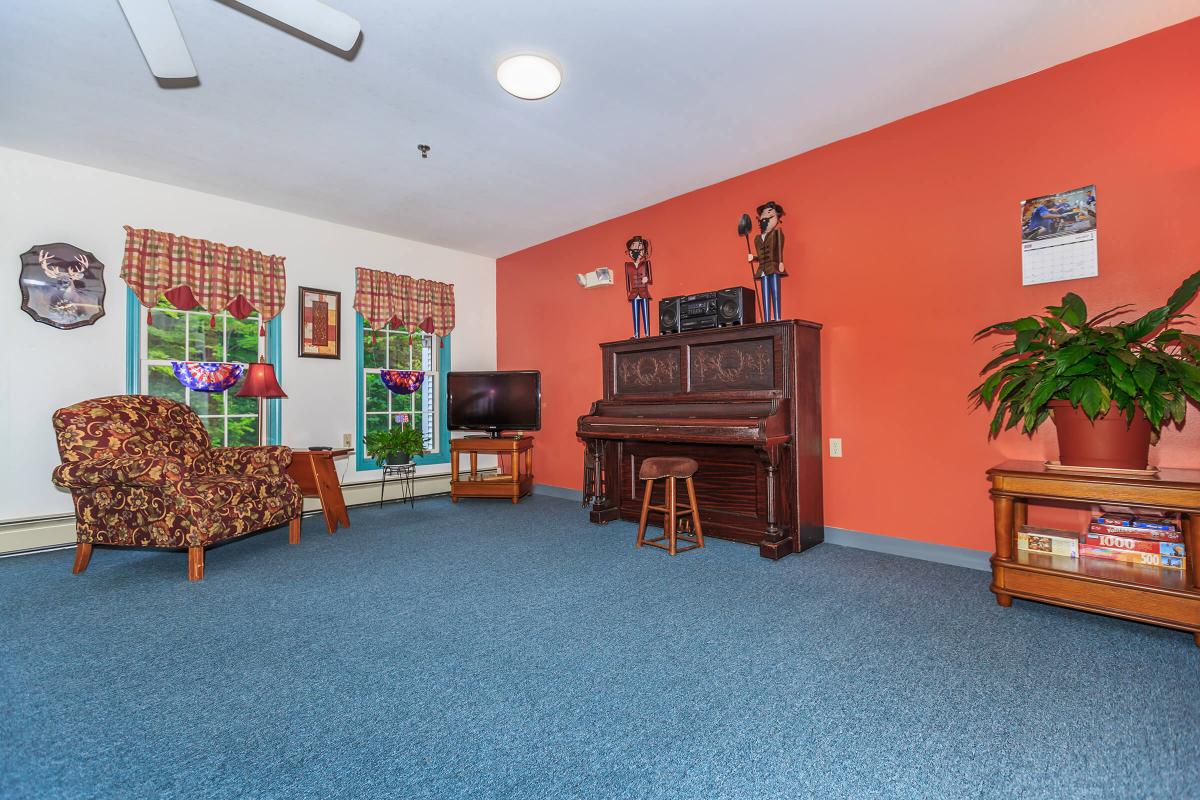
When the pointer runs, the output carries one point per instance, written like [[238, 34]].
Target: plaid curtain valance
[[403, 302], [195, 272]]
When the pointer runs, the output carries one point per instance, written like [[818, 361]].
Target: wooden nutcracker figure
[[638, 278], [768, 255]]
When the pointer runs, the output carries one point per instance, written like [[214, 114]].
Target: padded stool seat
[[667, 467], [675, 516]]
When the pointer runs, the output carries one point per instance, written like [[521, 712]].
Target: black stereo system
[[693, 312]]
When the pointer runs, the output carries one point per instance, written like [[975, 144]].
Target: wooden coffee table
[[1159, 596]]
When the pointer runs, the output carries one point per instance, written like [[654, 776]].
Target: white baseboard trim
[[364, 493], [52, 533], [911, 548], [27, 536]]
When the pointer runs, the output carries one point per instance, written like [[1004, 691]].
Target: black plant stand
[[406, 474]]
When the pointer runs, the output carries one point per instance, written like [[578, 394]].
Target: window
[[177, 335], [379, 408]]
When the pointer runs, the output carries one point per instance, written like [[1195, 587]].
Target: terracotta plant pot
[[1105, 442]]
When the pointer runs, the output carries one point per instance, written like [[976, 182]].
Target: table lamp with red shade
[[260, 382]]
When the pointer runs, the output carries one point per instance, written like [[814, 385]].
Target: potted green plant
[[396, 445], [1109, 386]]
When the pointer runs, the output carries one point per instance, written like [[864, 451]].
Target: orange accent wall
[[903, 241]]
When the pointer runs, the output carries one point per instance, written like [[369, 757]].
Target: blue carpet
[[490, 650]]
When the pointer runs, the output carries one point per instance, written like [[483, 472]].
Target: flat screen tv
[[494, 401]]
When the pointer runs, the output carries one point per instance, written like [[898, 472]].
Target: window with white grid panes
[[176, 335], [382, 409]]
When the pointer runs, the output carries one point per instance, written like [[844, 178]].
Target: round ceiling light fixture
[[529, 77]]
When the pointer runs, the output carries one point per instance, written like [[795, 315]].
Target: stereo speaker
[[732, 306]]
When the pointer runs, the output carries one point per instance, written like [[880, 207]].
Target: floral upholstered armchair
[[144, 474]]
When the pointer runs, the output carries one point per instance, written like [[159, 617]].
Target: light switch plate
[[347, 440], [835, 447]]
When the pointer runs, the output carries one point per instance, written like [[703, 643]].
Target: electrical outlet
[[347, 440], [835, 448]]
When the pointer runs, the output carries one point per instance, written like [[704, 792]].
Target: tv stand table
[[513, 485]]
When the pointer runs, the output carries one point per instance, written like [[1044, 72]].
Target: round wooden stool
[[672, 468]]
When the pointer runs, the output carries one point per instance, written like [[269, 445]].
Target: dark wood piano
[[744, 401]]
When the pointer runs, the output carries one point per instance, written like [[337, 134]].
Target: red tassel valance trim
[[193, 273], [405, 302]]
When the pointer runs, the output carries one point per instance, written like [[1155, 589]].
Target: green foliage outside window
[[398, 349], [176, 335]]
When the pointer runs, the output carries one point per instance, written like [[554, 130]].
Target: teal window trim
[[275, 356], [133, 360], [133, 343], [361, 462]]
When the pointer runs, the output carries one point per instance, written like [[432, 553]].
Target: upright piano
[[743, 401]]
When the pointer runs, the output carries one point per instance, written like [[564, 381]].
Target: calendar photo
[[1058, 237]]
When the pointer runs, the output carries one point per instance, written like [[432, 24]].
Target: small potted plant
[[1109, 386], [396, 445]]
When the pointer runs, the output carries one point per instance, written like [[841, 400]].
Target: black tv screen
[[494, 401]]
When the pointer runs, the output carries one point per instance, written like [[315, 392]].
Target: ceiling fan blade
[[157, 33], [314, 18]]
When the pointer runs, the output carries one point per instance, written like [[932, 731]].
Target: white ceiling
[[658, 98]]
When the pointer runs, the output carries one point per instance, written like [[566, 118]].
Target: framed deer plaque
[[320, 323], [61, 285]]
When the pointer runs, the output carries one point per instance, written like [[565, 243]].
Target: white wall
[[43, 200]]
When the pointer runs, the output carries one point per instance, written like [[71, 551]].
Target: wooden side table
[[314, 471], [1166, 597], [514, 485]]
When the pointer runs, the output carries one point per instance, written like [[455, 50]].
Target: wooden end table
[[314, 471], [514, 485], [1166, 597]]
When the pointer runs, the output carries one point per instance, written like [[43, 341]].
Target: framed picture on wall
[[61, 285], [320, 323]]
